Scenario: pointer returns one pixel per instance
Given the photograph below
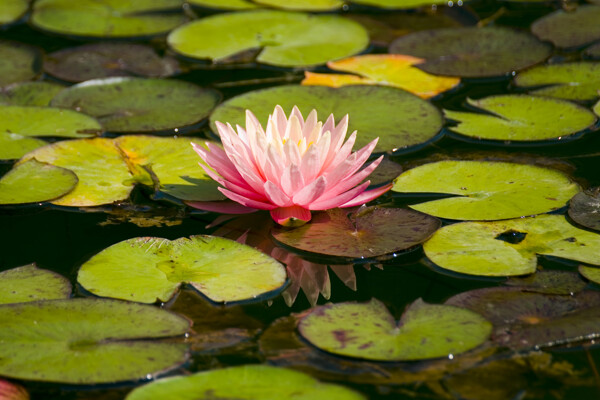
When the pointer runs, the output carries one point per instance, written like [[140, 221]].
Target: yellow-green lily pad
[[224, 4], [573, 28], [19, 62], [596, 108], [399, 119], [369, 331], [251, 382], [30, 283], [47, 121], [487, 190], [88, 341], [138, 104], [107, 18], [303, 5], [571, 81], [14, 146], [521, 118], [590, 273], [12, 10], [472, 52], [29, 93], [510, 247], [399, 4], [148, 269], [35, 182], [287, 39]]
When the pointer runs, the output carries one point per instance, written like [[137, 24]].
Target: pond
[[470, 273]]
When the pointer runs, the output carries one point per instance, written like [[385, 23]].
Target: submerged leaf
[[18, 62], [584, 208], [30, 283], [571, 28]]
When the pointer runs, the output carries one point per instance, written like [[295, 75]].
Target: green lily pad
[[487, 190], [398, 118], [34, 182], [287, 39], [174, 163], [525, 320], [224, 4], [14, 146], [472, 52], [47, 121], [596, 108], [29, 93], [584, 208], [395, 4], [369, 331], [550, 282], [138, 104], [103, 60], [84, 341], [569, 29], [252, 382], [510, 247], [303, 5], [30, 283], [363, 234], [149, 269], [521, 118], [571, 81], [12, 10], [18, 62], [593, 51], [591, 273], [107, 18]]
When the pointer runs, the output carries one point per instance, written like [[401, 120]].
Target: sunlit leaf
[[103, 60], [34, 181], [12, 10], [251, 382], [472, 52], [14, 146], [383, 69], [30, 283], [369, 331], [402, 4], [37, 93], [510, 247], [487, 190], [149, 269], [365, 233], [584, 208], [18, 62], [571, 81], [287, 39], [303, 5], [138, 104], [571, 28], [84, 341], [521, 118], [107, 18], [398, 118], [224, 4]]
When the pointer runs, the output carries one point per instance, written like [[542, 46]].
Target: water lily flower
[[292, 167]]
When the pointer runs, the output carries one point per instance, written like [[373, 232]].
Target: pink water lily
[[291, 168]]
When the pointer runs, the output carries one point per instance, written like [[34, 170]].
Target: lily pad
[[224, 4], [525, 320], [550, 282], [84, 341], [12, 10], [303, 5], [103, 60], [287, 39], [369, 331], [590, 273], [490, 248], [34, 182], [252, 382], [521, 118], [29, 93], [596, 108], [107, 18], [383, 69], [47, 121], [572, 28], [149, 269], [472, 52], [593, 51], [365, 233], [487, 190], [571, 81], [138, 104], [30, 283], [18, 62], [398, 118], [584, 208], [14, 146], [395, 4]]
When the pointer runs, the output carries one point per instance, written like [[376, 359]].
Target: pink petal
[[296, 113], [311, 192], [292, 180], [276, 195], [340, 199], [310, 164], [351, 181], [223, 207], [290, 216], [246, 201], [367, 196], [341, 154]]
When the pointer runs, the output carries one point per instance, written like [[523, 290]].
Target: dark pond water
[[61, 239]]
